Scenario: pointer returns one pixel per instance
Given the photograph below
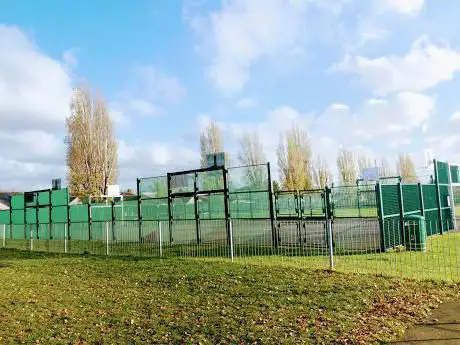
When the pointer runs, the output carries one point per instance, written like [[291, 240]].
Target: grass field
[[55, 299]]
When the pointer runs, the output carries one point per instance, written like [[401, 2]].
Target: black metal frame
[[195, 194]]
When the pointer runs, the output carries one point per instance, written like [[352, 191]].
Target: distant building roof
[[4, 205]]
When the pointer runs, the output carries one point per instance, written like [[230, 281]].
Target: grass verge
[[55, 299]]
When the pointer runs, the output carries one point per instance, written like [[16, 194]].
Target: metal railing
[[347, 245]]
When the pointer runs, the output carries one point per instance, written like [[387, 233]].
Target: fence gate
[[301, 218]]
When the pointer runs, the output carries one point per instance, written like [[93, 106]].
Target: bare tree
[[347, 166], [406, 169], [210, 141], [91, 146], [322, 174], [385, 169], [294, 160], [252, 155], [364, 163]]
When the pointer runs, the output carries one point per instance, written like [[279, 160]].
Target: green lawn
[[53, 299]]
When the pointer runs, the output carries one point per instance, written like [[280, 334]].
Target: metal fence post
[[65, 237], [438, 197], [4, 235], [230, 228], [161, 239], [329, 240], [107, 238], [452, 200], [31, 238]]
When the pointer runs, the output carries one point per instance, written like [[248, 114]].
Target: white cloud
[[455, 117], [424, 67], [246, 102], [145, 159], [35, 91], [407, 7], [243, 32], [146, 94]]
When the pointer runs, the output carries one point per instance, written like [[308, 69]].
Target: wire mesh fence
[[347, 245]]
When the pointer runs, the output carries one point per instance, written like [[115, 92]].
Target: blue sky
[[376, 76]]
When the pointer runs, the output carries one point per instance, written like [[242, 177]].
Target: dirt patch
[[441, 327]]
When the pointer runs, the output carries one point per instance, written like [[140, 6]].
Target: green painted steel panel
[[31, 215], [390, 200], [17, 202], [44, 198], [59, 214], [411, 198], [101, 212], [60, 197], [455, 174], [44, 215], [79, 213], [5, 217]]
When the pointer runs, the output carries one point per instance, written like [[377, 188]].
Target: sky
[[379, 77]]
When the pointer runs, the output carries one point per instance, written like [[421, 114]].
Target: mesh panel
[[312, 204], [287, 204], [211, 206], [249, 205], [250, 178], [210, 180], [155, 209], [184, 183], [153, 187], [183, 208]]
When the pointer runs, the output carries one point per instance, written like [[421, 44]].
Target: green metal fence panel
[[211, 206], [60, 197], [80, 231], [455, 174], [101, 212], [443, 172], [5, 217], [17, 202], [287, 204], [250, 205], [59, 214], [31, 215], [155, 209], [390, 199], [44, 215], [312, 204], [125, 210], [17, 231], [411, 199], [183, 208], [79, 213], [44, 198]]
